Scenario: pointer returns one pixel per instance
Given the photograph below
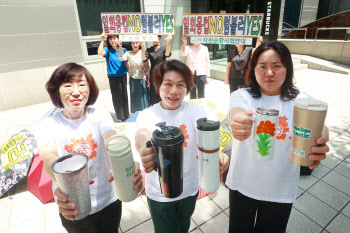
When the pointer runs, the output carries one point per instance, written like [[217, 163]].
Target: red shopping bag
[[38, 182]]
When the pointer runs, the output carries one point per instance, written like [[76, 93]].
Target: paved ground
[[323, 198]]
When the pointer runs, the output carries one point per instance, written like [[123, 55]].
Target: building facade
[[36, 36]]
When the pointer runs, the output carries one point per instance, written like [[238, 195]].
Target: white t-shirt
[[83, 135], [275, 180], [185, 118]]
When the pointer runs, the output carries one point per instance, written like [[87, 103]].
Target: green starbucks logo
[[301, 132]]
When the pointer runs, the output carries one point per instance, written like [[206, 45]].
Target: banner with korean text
[[222, 25], [222, 40], [138, 23]]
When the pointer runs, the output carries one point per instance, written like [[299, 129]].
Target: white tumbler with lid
[[123, 168], [208, 140]]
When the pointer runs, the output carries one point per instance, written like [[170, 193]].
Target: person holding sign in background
[[262, 192], [81, 129], [237, 64], [139, 73], [172, 80], [199, 63], [156, 54], [117, 71]]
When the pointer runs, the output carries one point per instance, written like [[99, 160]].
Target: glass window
[[90, 20], [90, 12]]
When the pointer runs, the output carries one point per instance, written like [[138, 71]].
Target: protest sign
[[138, 23], [222, 40], [16, 155], [222, 25], [138, 38]]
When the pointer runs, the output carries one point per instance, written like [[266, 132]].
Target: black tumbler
[[169, 148]]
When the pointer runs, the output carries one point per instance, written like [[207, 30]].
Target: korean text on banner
[[138, 23], [222, 25], [15, 157], [222, 40]]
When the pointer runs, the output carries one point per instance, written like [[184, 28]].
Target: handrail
[[334, 28], [305, 29]]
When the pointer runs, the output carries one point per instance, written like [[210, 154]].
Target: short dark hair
[[159, 37], [66, 73], [172, 65], [109, 37], [288, 91]]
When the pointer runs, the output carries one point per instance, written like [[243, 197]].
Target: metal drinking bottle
[[208, 140], [308, 121], [72, 176], [123, 168], [168, 143]]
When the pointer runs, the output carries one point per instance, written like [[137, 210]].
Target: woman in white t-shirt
[[172, 81], [79, 128], [262, 192]]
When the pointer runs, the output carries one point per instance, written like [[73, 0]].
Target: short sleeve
[[182, 53], [197, 113], [240, 99], [44, 131], [104, 120], [141, 120]]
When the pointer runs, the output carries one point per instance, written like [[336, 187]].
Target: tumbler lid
[[207, 125], [268, 111], [118, 146], [167, 135], [311, 104]]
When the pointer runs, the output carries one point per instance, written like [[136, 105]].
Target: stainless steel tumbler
[[72, 176], [208, 140]]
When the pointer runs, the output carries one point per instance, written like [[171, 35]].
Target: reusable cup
[[308, 121], [72, 176], [264, 133], [168, 143], [123, 168], [208, 140]]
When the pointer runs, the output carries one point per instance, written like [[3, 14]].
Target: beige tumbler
[[308, 120]]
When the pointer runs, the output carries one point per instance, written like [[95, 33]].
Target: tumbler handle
[[149, 144], [245, 142]]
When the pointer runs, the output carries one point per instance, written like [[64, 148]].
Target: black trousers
[[119, 96], [198, 91], [270, 217], [105, 221], [235, 83]]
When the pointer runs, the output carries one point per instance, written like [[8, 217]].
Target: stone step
[[322, 64], [300, 67]]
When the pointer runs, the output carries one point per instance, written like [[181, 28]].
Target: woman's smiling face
[[173, 90]]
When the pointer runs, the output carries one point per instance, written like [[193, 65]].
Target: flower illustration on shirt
[[184, 131], [282, 128], [86, 146], [265, 130]]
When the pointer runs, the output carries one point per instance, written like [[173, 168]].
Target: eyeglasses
[[69, 87]]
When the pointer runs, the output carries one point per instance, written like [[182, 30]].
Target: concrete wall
[[308, 12], [36, 36], [336, 51]]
